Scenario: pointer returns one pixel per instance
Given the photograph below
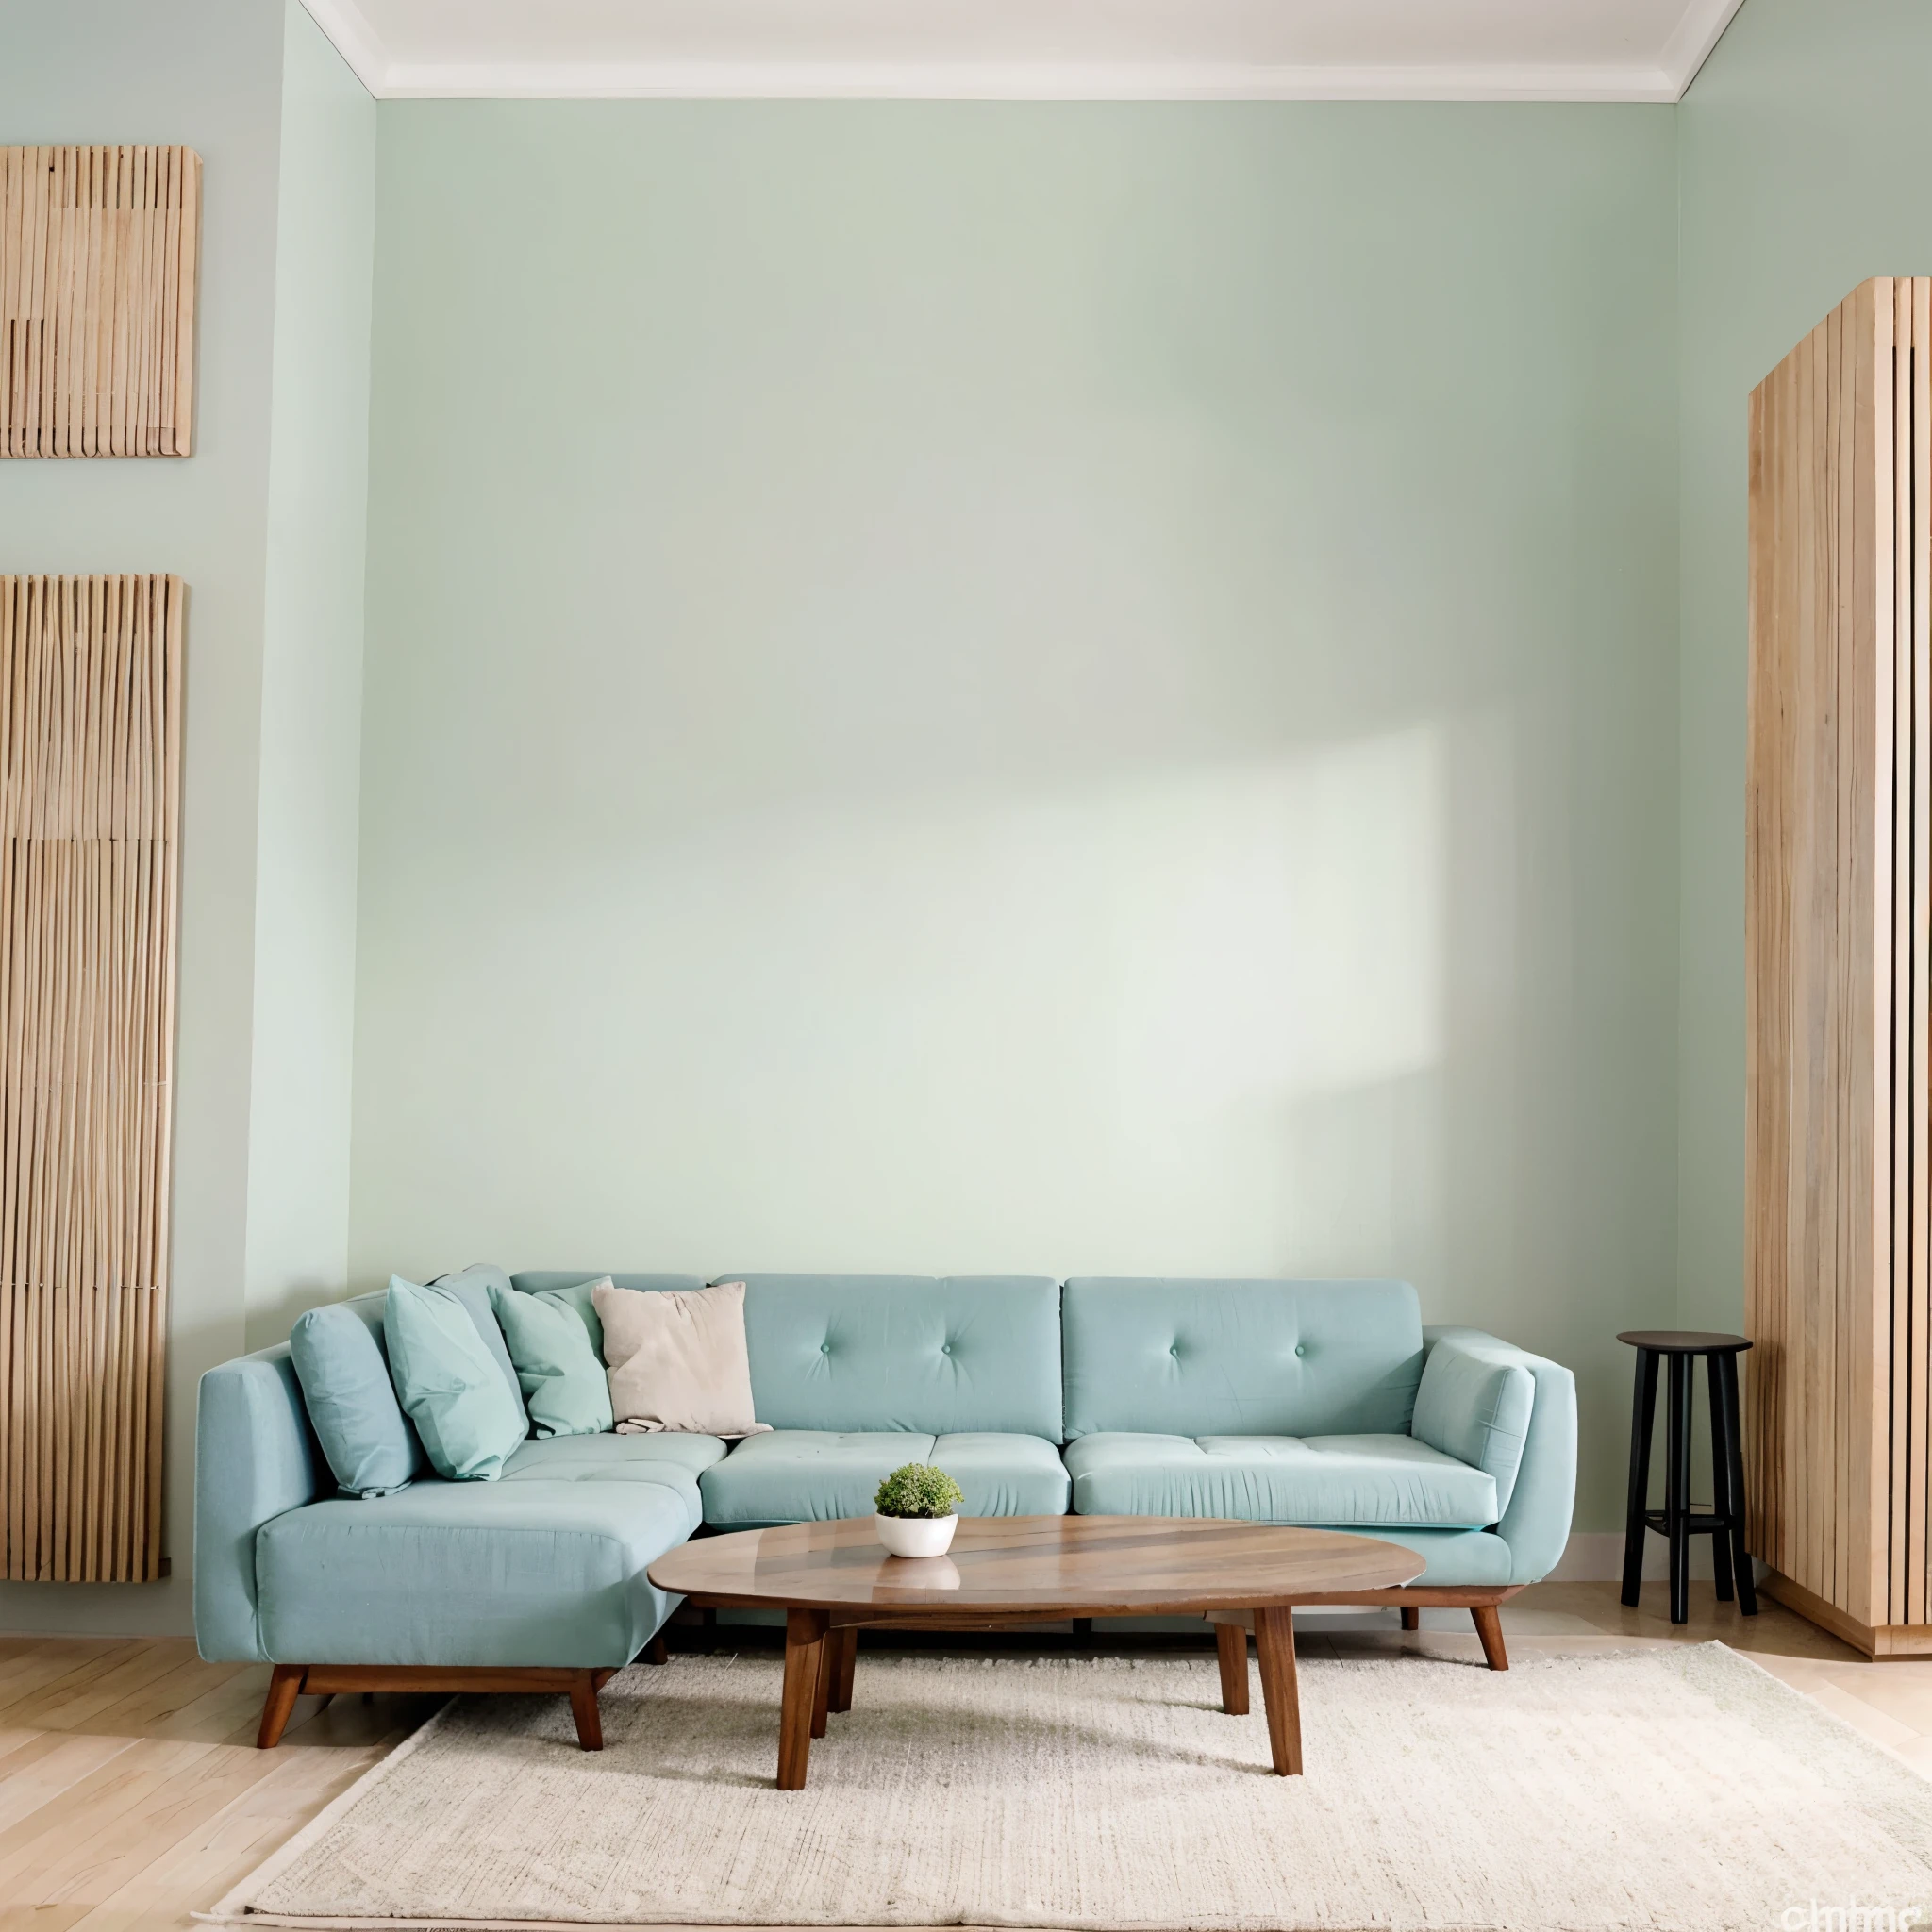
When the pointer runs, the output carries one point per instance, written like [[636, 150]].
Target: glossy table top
[[1076, 1565]]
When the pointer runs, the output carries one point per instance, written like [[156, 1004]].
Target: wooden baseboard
[[1881, 1643]]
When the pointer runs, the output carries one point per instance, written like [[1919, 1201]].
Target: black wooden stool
[[1725, 1526]]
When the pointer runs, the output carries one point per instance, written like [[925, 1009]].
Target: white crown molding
[[355, 40], [348, 27], [964, 81], [1698, 33]]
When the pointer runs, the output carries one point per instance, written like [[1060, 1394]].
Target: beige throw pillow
[[677, 1359]]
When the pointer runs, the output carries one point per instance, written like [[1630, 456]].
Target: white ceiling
[[1573, 50]]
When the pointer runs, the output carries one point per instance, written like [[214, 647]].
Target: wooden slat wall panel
[[97, 270], [1911, 1338], [1822, 889], [91, 690], [1838, 965], [1906, 1204], [1872, 614]]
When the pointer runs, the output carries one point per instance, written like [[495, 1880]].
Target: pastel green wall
[[1806, 151], [1064, 687], [311, 695]]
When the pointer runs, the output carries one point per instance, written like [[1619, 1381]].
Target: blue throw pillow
[[580, 1297], [473, 1287], [565, 1384], [365, 1437], [449, 1383]]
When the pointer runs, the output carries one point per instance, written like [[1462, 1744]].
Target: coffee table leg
[[843, 1645], [1274, 1646], [822, 1696], [1231, 1645], [804, 1649]]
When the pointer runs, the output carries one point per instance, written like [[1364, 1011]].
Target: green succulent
[[917, 1489]]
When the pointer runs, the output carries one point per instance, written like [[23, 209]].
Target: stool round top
[[1684, 1342]]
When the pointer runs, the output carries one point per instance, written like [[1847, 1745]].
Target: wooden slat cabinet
[[1839, 950]]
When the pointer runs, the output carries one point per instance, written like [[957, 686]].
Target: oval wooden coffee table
[[832, 1579]]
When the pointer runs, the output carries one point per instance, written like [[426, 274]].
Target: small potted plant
[[918, 1508]]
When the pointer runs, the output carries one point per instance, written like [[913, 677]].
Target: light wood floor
[[131, 1794]]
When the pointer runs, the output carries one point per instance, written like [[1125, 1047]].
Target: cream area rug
[[1680, 1789]]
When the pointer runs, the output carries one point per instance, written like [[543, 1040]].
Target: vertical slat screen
[[1909, 1452], [1822, 881], [89, 811], [1839, 970], [97, 266]]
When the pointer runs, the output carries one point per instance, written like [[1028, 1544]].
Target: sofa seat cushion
[[813, 1475], [805, 1475], [672, 1462], [508, 1573], [1337, 1481], [634, 1455], [1005, 1474]]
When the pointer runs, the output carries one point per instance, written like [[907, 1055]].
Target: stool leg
[[1719, 1481], [1677, 1487], [1642, 1415], [1734, 1457]]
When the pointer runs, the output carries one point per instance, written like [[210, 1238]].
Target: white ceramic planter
[[917, 1536]]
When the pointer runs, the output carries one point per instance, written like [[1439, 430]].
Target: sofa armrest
[[1475, 1404], [255, 1459], [1536, 1521]]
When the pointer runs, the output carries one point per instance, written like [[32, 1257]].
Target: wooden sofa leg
[[284, 1687], [1412, 1617], [583, 1706], [1488, 1626], [654, 1652]]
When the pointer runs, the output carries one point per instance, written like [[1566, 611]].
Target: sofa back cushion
[[918, 1353], [1197, 1357]]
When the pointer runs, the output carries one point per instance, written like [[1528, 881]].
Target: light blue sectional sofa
[[1324, 1403]]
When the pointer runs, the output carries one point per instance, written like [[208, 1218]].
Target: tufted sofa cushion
[[1371, 1482], [672, 1462], [806, 1476], [812, 1475], [1198, 1357], [915, 1354]]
